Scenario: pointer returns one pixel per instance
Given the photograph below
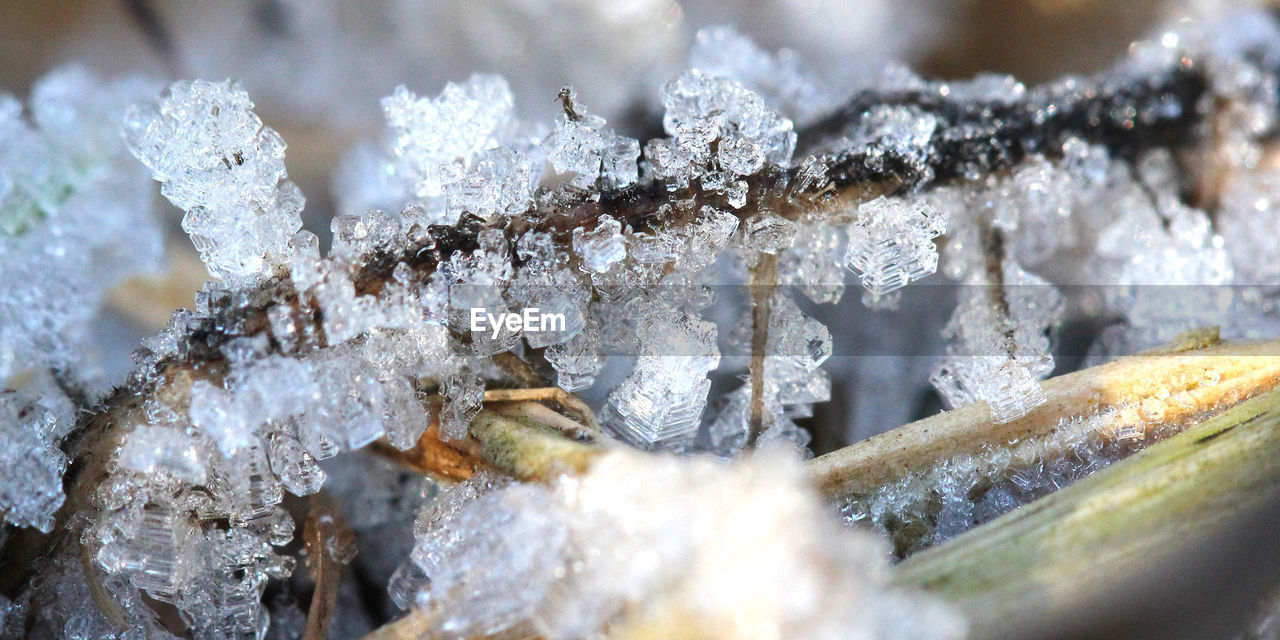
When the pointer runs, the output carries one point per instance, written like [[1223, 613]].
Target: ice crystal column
[[664, 396], [217, 162], [891, 244]]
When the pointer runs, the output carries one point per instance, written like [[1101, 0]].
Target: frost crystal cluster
[[891, 243], [75, 217], [219, 164], [75, 220], [720, 132], [174, 500], [477, 572]]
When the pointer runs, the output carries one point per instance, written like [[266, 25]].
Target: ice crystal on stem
[[582, 146], [720, 132], [891, 243], [779, 77], [793, 382], [217, 162], [460, 151]]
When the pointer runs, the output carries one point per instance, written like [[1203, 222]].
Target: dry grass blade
[[527, 428], [1084, 542], [1166, 388], [330, 546]]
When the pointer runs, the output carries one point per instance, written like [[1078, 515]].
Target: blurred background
[[317, 68]]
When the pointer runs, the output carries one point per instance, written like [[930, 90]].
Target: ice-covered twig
[[263, 315], [1124, 112]]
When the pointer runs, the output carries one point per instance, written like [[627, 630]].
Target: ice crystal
[[813, 263], [891, 243], [664, 396], [459, 150], [218, 163], [480, 575], [577, 360], [779, 78], [719, 132], [439, 138], [582, 146], [923, 508], [601, 247], [999, 345], [796, 347]]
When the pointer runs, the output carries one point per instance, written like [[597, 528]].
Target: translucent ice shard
[[216, 161], [154, 449], [664, 396], [891, 243], [797, 345], [813, 263], [578, 359], [438, 138], [463, 394], [602, 246]]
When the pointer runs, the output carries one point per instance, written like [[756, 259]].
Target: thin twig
[[993, 246], [330, 546], [764, 278]]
